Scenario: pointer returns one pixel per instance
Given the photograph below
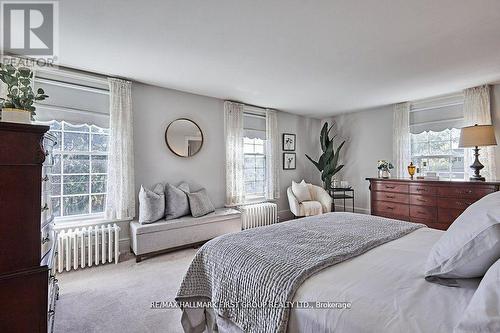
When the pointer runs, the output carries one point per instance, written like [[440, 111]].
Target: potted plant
[[328, 161], [383, 169], [18, 105]]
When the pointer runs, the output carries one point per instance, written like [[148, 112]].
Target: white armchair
[[321, 202]]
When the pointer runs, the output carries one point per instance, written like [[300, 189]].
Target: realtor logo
[[30, 28]]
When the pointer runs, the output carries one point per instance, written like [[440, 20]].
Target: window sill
[[60, 224]]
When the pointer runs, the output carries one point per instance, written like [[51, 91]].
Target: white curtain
[[477, 111], [120, 199], [233, 128], [272, 156], [401, 139]]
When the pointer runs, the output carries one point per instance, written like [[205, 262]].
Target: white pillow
[[471, 244], [483, 312], [301, 191]]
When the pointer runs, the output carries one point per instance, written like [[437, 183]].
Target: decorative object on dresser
[[411, 170], [288, 142], [477, 136], [18, 106], [28, 288], [384, 169], [434, 203], [327, 164]]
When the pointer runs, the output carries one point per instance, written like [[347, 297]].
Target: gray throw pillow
[[176, 201], [151, 204], [200, 203]]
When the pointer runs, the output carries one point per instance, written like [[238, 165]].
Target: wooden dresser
[[28, 287], [434, 203]]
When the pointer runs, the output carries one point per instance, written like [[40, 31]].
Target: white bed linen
[[387, 291]]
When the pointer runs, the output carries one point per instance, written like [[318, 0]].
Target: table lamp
[[477, 136]]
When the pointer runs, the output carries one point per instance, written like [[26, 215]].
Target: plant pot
[[16, 116], [386, 174]]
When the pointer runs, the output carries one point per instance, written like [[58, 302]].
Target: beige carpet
[[117, 298]]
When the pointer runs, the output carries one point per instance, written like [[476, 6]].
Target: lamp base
[[477, 166]]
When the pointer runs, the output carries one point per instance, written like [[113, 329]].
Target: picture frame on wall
[[289, 142], [289, 161]]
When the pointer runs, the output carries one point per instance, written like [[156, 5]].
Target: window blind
[[254, 123], [437, 114]]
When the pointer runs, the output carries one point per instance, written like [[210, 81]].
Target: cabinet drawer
[[448, 215], [423, 189], [391, 208], [422, 212], [461, 204], [392, 197], [422, 200], [465, 192], [390, 187]]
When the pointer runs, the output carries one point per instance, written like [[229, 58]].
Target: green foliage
[[20, 94], [328, 161]]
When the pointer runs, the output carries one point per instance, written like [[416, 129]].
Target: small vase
[[386, 174], [380, 174], [16, 116]]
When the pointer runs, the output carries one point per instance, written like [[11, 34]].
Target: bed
[[381, 287]]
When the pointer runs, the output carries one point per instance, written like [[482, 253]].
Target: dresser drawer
[[423, 212], [465, 191], [448, 215], [394, 209], [455, 203], [422, 200], [423, 189], [390, 187], [391, 197]]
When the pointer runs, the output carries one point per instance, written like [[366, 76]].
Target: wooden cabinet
[[28, 287], [434, 203]]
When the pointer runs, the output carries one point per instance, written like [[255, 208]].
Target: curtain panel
[[401, 138], [120, 198], [272, 156], [477, 111], [233, 130]]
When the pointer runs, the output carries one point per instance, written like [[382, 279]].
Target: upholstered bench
[[164, 236]]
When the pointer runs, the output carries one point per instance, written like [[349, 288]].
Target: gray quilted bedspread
[[267, 265]]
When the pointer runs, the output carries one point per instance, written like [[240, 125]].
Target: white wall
[[369, 139], [368, 136], [154, 108]]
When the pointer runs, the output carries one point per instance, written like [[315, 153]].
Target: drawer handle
[[45, 239], [390, 196], [45, 207], [390, 207], [459, 203], [419, 189], [46, 178], [387, 186], [421, 200], [420, 212]]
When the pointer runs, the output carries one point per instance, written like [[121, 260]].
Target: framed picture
[[288, 142], [289, 161]]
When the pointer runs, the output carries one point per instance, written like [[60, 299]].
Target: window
[[79, 172], [254, 167], [254, 149], [438, 152]]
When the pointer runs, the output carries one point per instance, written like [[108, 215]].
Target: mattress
[[386, 290]]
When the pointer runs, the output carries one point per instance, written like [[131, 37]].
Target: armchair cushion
[[310, 208], [301, 191]]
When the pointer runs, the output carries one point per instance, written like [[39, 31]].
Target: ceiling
[[316, 58]]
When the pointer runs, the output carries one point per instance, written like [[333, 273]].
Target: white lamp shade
[[477, 135]]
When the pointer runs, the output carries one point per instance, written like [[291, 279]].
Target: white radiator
[[84, 247], [258, 215]]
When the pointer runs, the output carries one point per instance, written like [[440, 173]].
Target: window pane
[[56, 185], [58, 136], [96, 129], [99, 142], [248, 149], [440, 147], [249, 162], [259, 148], [439, 164], [250, 187], [99, 164], [98, 184], [76, 142], [76, 205], [56, 206], [56, 167], [260, 174], [420, 148], [421, 137], [76, 185], [440, 136], [259, 187], [76, 128], [98, 203], [260, 162], [76, 164], [55, 126], [249, 175]]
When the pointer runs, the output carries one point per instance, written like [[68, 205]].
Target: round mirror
[[183, 137]]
